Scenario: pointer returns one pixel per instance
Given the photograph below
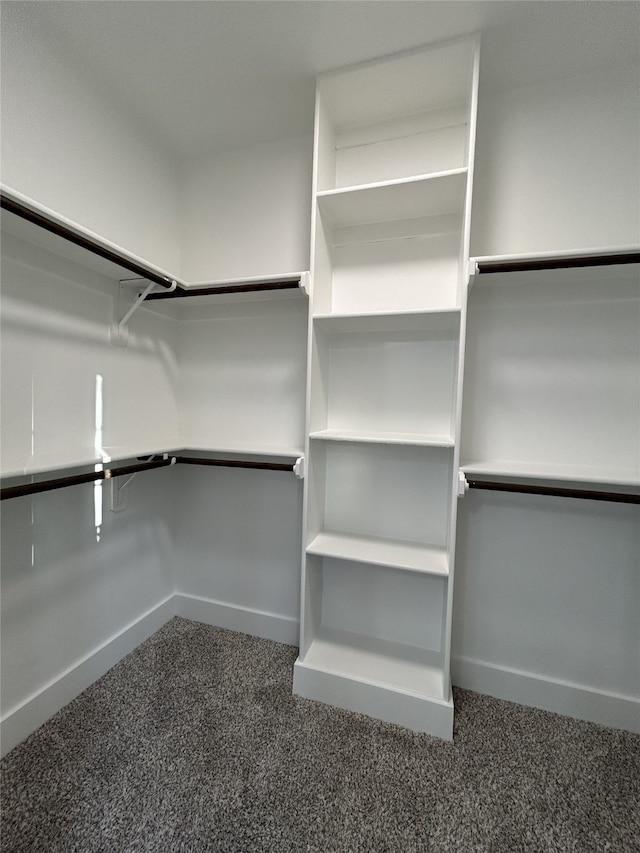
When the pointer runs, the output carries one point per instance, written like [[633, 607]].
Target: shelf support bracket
[[298, 468], [119, 331], [118, 497], [463, 485]]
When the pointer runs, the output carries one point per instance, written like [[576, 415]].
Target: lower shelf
[[411, 556], [389, 681]]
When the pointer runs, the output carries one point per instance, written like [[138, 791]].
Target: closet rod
[[180, 293], [575, 261], [234, 463], [92, 246], [586, 494], [35, 488], [78, 479]]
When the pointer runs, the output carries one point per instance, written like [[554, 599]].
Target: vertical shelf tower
[[393, 173]]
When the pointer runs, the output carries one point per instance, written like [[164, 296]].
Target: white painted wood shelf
[[373, 437], [391, 321], [408, 198], [374, 550], [550, 473]]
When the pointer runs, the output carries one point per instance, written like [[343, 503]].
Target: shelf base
[[388, 681], [420, 714]]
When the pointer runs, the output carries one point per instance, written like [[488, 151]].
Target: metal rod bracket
[[124, 312], [305, 283], [298, 468], [118, 495]]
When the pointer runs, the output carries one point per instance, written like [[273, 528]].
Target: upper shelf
[[45, 464], [551, 473], [36, 224], [434, 194]]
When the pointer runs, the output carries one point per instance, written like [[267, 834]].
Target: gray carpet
[[195, 743]]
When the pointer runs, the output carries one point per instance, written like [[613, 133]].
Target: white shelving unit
[[553, 357], [393, 171]]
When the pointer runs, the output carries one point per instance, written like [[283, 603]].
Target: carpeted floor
[[195, 743]]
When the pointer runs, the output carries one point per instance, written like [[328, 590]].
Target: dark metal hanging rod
[[585, 494], [234, 463], [246, 287], [48, 485], [576, 261], [84, 242]]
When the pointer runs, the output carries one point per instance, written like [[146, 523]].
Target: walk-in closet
[[336, 345]]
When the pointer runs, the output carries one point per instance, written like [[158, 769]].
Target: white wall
[[547, 595], [247, 212], [81, 586], [67, 145], [59, 368], [557, 165], [237, 539], [546, 604], [242, 373], [76, 599]]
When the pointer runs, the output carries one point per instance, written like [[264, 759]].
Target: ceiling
[[204, 75]]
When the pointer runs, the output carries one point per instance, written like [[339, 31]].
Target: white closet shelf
[[395, 321], [542, 268], [30, 221], [411, 670], [244, 449], [555, 474], [412, 438], [433, 194], [43, 468], [45, 463], [396, 554]]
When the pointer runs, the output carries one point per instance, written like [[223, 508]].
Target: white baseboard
[[258, 623], [571, 700], [19, 722]]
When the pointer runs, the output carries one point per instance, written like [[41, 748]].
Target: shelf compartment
[[378, 382], [409, 556], [389, 492], [396, 265], [379, 662], [354, 629], [406, 115]]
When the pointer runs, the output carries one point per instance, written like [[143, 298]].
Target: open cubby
[[396, 494], [390, 384], [356, 632], [393, 265], [385, 121]]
